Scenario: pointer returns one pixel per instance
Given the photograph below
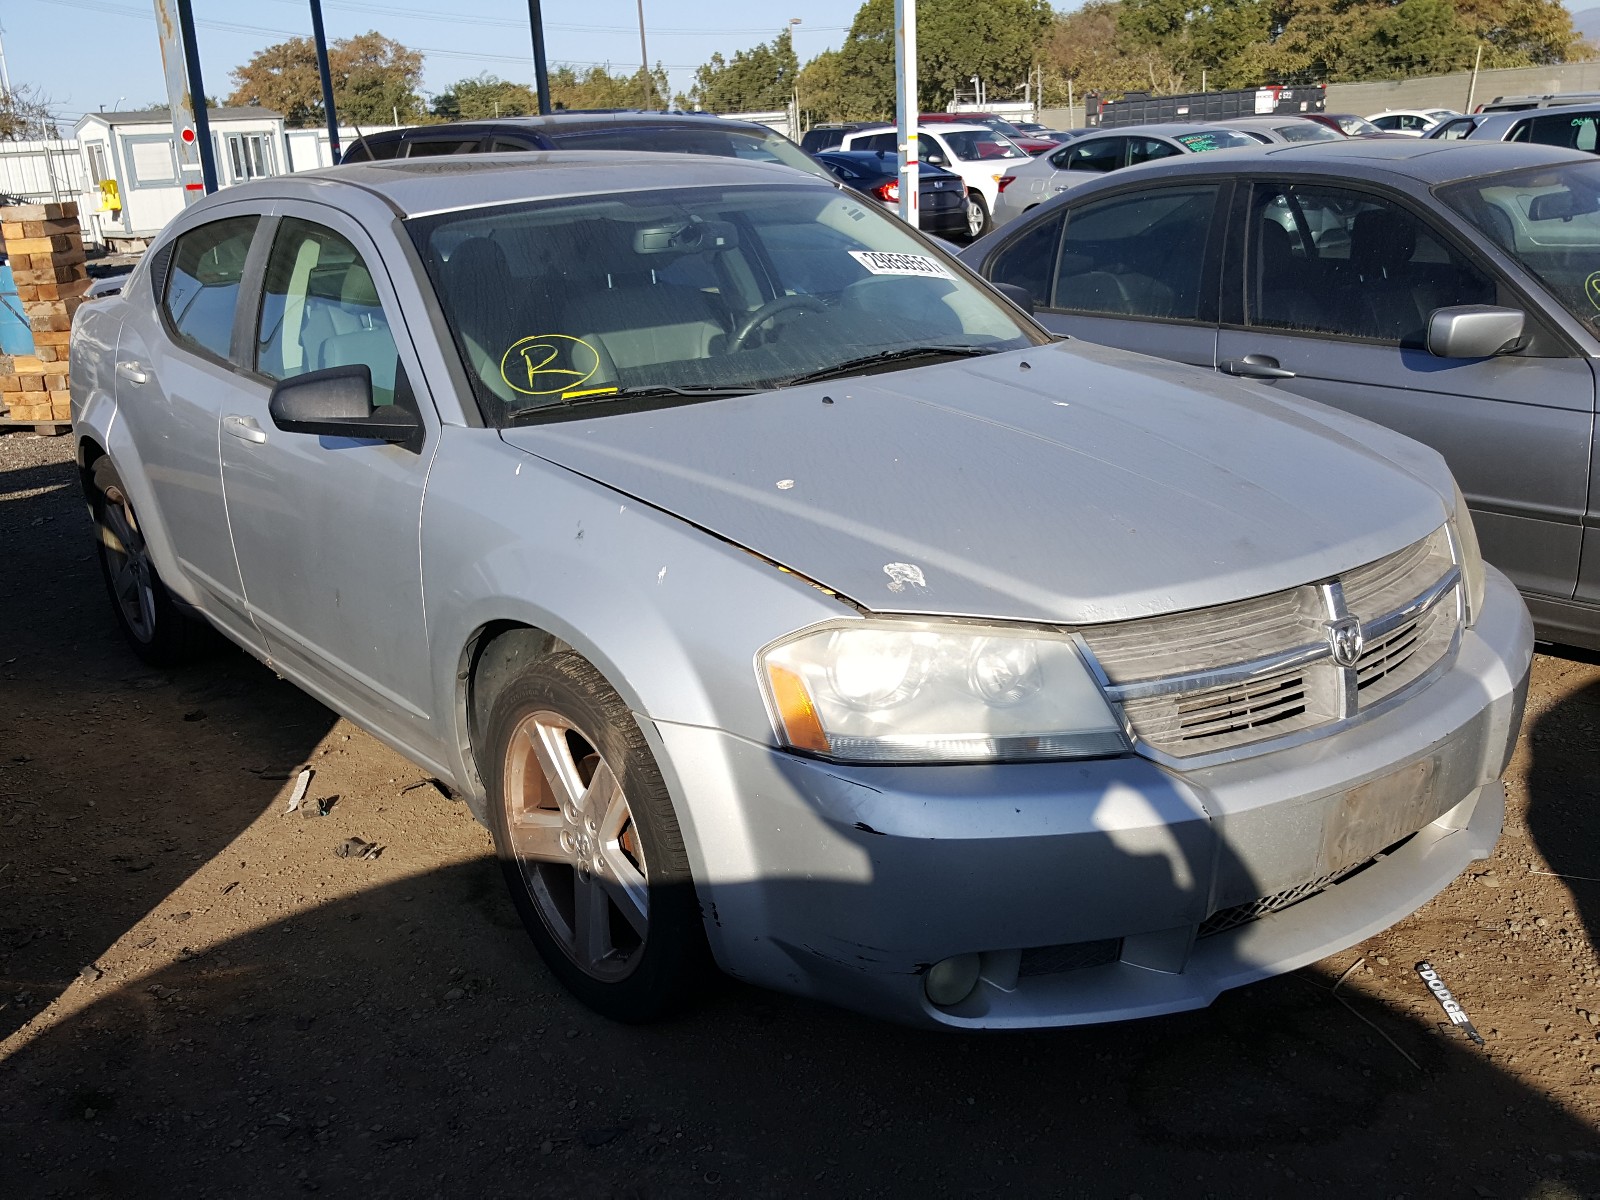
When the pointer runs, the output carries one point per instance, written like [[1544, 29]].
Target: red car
[[1032, 145]]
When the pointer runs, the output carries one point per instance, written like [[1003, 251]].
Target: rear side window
[[1558, 129], [202, 285], [439, 147], [379, 148], [1098, 155], [358, 153]]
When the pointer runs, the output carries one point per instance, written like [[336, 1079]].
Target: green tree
[[599, 88], [484, 96], [374, 78], [756, 80]]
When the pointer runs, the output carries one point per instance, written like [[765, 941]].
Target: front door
[[1337, 286], [327, 528]]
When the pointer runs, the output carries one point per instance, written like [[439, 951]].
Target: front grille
[[1073, 956], [1254, 671]]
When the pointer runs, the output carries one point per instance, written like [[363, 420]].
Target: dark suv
[[680, 133]]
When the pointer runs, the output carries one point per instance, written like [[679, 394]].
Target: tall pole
[[644, 59], [1472, 88], [328, 106], [5, 79], [541, 75], [197, 96], [907, 109]]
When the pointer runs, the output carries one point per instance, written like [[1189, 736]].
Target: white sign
[[880, 262]]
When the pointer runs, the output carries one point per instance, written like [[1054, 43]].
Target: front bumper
[[1093, 890]]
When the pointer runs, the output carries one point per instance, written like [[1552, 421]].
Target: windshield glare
[[1548, 219], [560, 301]]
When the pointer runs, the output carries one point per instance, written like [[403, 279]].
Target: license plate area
[[1378, 813]]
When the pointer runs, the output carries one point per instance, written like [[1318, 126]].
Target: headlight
[[912, 691], [1468, 556]]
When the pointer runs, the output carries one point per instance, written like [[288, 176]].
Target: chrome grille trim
[[1397, 622]]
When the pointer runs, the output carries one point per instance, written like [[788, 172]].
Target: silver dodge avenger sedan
[[784, 599]]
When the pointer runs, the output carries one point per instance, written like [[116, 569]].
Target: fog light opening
[[952, 980]]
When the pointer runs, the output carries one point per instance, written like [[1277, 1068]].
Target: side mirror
[[338, 403], [935, 159], [1474, 330], [1018, 295]]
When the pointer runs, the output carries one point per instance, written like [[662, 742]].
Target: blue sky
[[82, 54]]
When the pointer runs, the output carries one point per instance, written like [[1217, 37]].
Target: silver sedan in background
[[784, 598]]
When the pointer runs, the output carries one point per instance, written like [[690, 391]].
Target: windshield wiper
[[586, 397], [905, 353]]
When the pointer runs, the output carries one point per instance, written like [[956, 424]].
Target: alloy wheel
[[128, 565]]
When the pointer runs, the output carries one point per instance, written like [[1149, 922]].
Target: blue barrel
[[15, 336]]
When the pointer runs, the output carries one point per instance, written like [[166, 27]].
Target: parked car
[[1572, 126], [1362, 266], [1285, 129], [828, 136], [676, 133], [976, 153], [783, 597], [1413, 122], [941, 194], [1547, 100], [1029, 184], [1033, 145]]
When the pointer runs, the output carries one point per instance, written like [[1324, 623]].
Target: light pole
[[644, 58], [329, 109], [905, 86], [541, 76]]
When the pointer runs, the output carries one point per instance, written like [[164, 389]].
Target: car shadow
[[397, 1041], [115, 779], [1563, 815]]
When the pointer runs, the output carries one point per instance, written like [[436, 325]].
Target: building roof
[[161, 116]]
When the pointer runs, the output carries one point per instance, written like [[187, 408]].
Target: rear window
[[713, 138]]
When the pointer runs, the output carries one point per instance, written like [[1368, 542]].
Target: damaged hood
[[1063, 484]]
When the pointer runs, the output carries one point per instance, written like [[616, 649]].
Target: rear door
[[175, 371], [1331, 299], [1136, 268]]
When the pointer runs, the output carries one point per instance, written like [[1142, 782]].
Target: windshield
[[593, 299], [1214, 139], [971, 145], [711, 138], [1308, 131], [1548, 219], [1357, 126]]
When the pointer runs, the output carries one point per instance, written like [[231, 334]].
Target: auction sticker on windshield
[[881, 262]]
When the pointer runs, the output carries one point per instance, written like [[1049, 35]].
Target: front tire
[[589, 844], [159, 631]]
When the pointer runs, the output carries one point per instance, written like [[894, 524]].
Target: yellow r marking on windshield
[[527, 366]]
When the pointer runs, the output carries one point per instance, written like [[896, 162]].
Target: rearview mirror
[[1474, 330], [338, 403], [1559, 206]]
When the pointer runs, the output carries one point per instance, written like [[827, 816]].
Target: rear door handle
[[1255, 366], [132, 372], [244, 428]]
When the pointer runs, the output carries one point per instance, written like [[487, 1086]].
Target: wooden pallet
[[47, 428]]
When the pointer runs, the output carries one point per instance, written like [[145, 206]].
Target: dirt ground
[[198, 998]]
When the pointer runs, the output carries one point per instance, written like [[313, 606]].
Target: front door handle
[[244, 428], [132, 372], [1255, 366]]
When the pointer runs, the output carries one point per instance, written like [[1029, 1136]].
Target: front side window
[[1138, 255], [1335, 261], [1030, 261], [1142, 150], [320, 309], [202, 285], [667, 291]]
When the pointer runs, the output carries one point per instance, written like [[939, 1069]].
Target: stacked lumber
[[45, 247]]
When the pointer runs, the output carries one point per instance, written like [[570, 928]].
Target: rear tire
[[157, 628], [589, 844], [979, 222]]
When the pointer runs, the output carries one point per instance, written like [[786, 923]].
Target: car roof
[[1427, 162], [562, 122], [415, 186], [1499, 120], [1160, 128]]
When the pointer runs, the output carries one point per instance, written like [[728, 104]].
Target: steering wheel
[[766, 312]]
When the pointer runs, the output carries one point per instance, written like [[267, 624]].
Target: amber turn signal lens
[[801, 724]]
